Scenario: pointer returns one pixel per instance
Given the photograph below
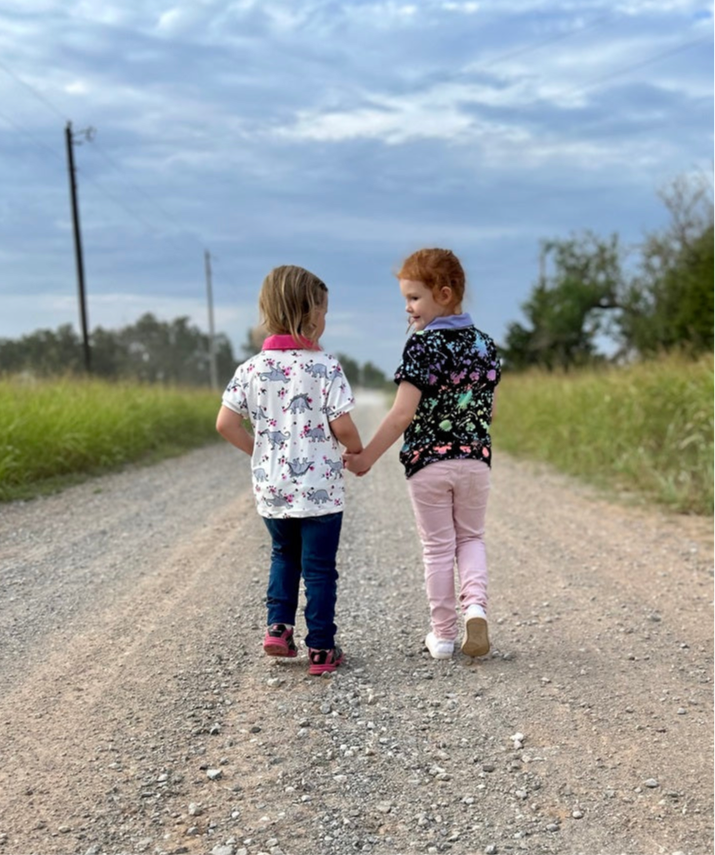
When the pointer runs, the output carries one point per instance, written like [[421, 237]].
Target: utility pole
[[212, 343], [69, 138]]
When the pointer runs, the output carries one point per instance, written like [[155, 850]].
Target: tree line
[[649, 299], [149, 351]]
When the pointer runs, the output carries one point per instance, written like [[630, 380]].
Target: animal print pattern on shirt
[[290, 398]]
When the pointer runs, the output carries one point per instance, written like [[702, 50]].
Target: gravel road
[[139, 715]]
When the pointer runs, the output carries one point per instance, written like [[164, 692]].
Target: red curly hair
[[436, 268]]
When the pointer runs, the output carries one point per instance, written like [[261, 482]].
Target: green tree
[[225, 360], [693, 316], [108, 354], [251, 345], [569, 306], [350, 367], [669, 303], [45, 352], [372, 377], [175, 352], [149, 350]]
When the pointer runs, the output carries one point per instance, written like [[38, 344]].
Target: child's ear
[[445, 295]]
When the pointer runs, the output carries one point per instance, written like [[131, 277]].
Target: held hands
[[354, 462]]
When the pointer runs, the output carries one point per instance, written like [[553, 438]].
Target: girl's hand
[[354, 463]]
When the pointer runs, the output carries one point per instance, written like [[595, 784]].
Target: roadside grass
[[60, 431], [646, 428]]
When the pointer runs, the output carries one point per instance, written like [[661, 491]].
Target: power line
[[45, 148], [34, 91], [138, 189], [54, 109], [116, 200], [628, 68], [29, 135], [102, 189], [534, 46]]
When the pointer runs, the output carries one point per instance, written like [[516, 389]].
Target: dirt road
[[138, 713]]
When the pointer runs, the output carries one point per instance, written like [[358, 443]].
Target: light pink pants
[[450, 504]]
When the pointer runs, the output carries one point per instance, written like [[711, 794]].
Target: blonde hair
[[288, 299], [437, 268]]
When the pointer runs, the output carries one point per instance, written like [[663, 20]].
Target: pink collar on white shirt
[[287, 342]]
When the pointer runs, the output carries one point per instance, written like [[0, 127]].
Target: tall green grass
[[646, 428], [52, 430]]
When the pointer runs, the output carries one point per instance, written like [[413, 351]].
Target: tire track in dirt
[[88, 681]]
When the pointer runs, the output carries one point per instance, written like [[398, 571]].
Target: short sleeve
[[338, 396], [415, 364], [235, 395]]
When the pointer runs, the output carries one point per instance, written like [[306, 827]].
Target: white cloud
[[398, 122], [105, 13], [173, 21], [631, 7], [77, 87], [436, 113], [286, 16], [662, 7], [467, 8], [383, 15], [35, 7]]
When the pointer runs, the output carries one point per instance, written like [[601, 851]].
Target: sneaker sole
[[476, 640], [327, 667], [279, 650]]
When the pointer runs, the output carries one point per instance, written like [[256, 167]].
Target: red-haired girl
[[445, 397]]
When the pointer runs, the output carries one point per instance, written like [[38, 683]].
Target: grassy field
[[57, 431], [646, 429]]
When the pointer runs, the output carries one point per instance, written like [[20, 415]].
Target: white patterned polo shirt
[[290, 397]]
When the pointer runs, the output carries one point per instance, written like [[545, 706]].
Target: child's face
[[422, 304]]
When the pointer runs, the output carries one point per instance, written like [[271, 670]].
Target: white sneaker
[[475, 610], [439, 648], [476, 632]]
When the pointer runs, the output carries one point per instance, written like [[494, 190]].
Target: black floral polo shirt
[[457, 371]]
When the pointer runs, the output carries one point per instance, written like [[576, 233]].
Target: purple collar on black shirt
[[451, 322]]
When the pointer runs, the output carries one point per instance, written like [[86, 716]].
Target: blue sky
[[335, 134]]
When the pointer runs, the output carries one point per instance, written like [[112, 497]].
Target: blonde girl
[[297, 400]]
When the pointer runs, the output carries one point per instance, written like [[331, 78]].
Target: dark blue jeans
[[307, 546]]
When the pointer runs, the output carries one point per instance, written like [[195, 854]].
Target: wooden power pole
[[212, 343], [78, 246]]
